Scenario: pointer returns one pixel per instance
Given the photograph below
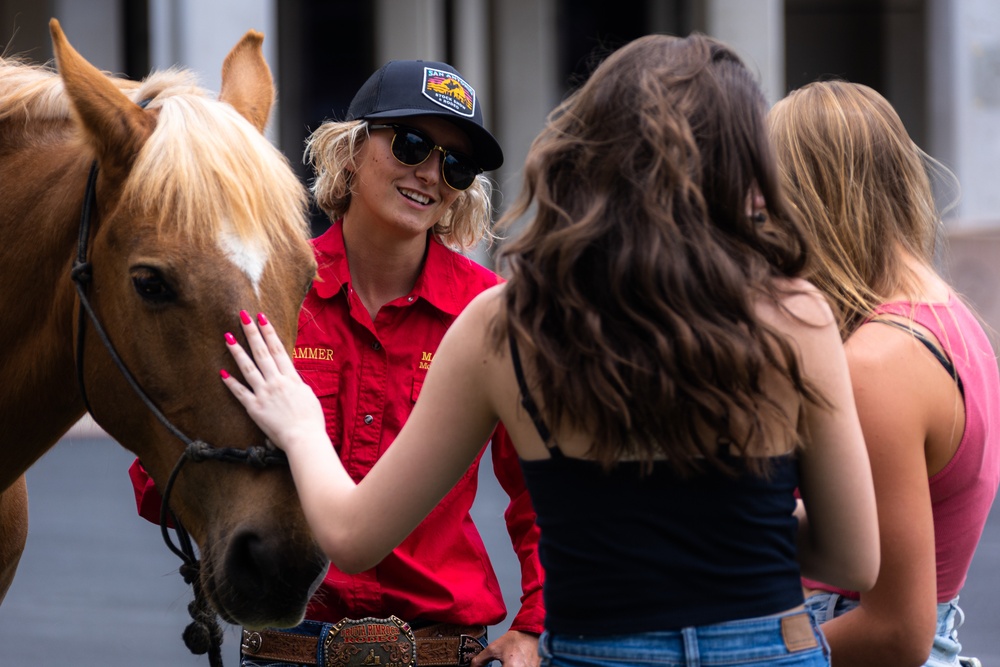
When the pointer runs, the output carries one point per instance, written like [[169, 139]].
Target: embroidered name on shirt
[[425, 360], [320, 353]]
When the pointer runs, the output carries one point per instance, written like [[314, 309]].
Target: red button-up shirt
[[367, 376]]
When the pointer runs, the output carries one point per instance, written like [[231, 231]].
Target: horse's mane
[[31, 91], [204, 170]]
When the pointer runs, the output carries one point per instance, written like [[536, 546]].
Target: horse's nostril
[[264, 579], [250, 563]]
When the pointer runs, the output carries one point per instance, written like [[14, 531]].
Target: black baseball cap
[[402, 88]]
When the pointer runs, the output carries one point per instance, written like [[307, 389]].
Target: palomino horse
[[197, 215]]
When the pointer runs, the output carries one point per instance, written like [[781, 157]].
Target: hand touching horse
[[195, 212]]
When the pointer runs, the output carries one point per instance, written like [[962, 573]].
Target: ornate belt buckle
[[370, 642]]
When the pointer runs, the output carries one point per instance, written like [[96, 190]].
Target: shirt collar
[[438, 282]]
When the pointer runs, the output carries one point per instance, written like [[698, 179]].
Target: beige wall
[[970, 261]]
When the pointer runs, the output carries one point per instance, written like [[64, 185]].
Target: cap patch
[[450, 91]]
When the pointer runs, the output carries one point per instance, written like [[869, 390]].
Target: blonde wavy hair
[[332, 151], [862, 189]]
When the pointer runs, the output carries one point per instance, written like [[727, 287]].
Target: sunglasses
[[412, 147]]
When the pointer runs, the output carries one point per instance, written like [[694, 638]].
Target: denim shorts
[[944, 653], [753, 641], [314, 628]]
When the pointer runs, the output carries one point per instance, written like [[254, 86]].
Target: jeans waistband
[[739, 642]]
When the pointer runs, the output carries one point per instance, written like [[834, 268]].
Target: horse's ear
[[246, 80], [115, 124]]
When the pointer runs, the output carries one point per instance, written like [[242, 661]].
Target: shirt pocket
[[325, 383]]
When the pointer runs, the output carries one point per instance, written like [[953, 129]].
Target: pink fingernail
[[261, 319], [230, 339], [245, 317], [224, 374]]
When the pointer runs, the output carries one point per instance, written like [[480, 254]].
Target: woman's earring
[[758, 217]]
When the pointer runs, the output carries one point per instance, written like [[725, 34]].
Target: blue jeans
[[313, 628], [752, 641], [944, 653]]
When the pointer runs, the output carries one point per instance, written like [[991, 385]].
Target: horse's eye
[[151, 286]]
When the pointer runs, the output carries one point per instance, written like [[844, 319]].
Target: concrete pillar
[[471, 43], [756, 30], [197, 35], [964, 91], [410, 30], [526, 88], [93, 28], [416, 29]]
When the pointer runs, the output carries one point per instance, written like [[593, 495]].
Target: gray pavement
[[97, 587]]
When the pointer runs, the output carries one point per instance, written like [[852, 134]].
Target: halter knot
[[82, 272], [199, 450], [203, 634], [190, 572], [257, 457]]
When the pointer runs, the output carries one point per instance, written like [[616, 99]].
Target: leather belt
[[438, 645]]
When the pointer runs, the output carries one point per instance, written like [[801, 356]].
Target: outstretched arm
[[358, 525]]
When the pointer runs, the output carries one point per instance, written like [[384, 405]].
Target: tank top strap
[[929, 344], [528, 403]]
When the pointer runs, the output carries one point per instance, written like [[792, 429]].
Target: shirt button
[[369, 419], [410, 299], [376, 346]]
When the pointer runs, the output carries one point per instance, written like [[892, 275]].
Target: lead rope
[[203, 634]]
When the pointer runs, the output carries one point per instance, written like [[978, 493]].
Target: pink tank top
[[962, 492]]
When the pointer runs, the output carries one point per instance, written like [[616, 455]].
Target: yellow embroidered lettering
[[319, 353]]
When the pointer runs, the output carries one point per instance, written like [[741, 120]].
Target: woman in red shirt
[[402, 181]]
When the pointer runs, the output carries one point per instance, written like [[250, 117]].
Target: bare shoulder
[[800, 306], [474, 322], [876, 348], [488, 301], [803, 315]]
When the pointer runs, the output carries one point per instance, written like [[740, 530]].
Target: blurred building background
[[937, 61]]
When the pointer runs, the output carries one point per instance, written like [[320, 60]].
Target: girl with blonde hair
[[402, 181], [924, 374]]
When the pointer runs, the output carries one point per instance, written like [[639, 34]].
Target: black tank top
[[626, 552]]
